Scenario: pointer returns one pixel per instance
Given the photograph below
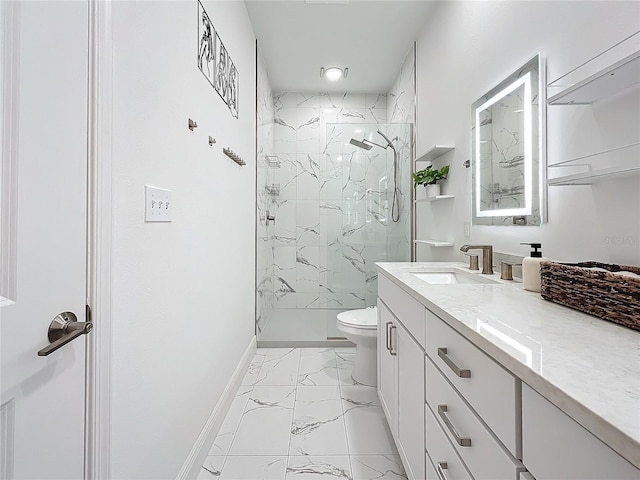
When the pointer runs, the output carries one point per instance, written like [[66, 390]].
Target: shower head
[[360, 144]]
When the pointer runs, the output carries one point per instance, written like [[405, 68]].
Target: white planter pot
[[433, 190]]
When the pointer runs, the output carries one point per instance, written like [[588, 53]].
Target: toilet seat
[[364, 318]]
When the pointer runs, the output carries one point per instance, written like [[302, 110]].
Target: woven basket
[[614, 298]]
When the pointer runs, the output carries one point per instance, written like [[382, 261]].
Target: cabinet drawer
[[490, 389], [556, 446], [440, 450], [483, 455], [406, 309]]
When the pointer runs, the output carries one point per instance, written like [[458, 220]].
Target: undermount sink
[[452, 277]]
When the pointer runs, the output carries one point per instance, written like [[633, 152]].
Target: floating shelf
[[433, 199], [435, 243], [595, 176], [434, 152], [608, 81], [591, 175]]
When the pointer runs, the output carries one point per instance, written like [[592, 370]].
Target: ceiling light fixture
[[333, 73]]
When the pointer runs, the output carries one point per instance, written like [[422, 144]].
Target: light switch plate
[[158, 204]]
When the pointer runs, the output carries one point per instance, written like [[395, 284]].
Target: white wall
[[183, 292], [469, 47]]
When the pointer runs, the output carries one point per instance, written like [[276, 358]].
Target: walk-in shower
[[336, 213]]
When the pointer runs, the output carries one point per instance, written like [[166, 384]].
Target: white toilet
[[361, 328]]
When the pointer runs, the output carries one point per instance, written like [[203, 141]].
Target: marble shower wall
[[266, 166], [360, 193], [401, 99], [401, 108], [323, 254]]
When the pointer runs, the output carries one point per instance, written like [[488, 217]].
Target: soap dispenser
[[531, 268]]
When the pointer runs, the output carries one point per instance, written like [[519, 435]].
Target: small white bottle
[[531, 268]]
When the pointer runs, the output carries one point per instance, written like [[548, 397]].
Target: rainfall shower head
[[360, 144]]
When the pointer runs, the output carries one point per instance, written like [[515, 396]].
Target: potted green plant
[[429, 177]]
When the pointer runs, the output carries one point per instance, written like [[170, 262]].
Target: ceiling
[[370, 37]]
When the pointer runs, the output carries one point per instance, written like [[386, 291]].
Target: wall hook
[[192, 125], [212, 141], [233, 156]]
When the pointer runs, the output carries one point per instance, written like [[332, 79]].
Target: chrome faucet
[[487, 256]]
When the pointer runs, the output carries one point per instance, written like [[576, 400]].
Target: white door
[[43, 248]]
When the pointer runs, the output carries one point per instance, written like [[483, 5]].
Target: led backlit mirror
[[508, 150]]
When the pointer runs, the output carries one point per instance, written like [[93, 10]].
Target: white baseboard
[[201, 447]]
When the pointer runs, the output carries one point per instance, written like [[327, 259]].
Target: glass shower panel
[[334, 218], [357, 210]]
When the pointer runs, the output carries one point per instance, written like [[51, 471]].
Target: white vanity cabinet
[[476, 445], [387, 367], [411, 402], [441, 456], [490, 390], [459, 409], [401, 374], [475, 402], [555, 446]]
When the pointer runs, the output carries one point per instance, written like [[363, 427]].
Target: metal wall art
[[214, 62]]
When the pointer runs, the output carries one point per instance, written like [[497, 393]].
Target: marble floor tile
[[254, 368], [367, 429], [250, 467], [212, 468], [280, 367], [299, 415], [318, 423], [377, 467], [318, 367], [227, 431], [265, 426], [321, 468]]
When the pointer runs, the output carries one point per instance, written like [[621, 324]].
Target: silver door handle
[[64, 328], [461, 372], [391, 350], [440, 468], [388, 345], [462, 441]]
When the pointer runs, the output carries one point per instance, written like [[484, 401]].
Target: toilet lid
[[363, 318]]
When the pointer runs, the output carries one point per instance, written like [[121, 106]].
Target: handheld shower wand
[[395, 205], [367, 145]]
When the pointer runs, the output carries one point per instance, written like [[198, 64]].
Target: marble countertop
[[587, 367]]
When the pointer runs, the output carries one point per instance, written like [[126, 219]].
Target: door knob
[[64, 328]]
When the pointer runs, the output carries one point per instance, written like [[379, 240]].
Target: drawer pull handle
[[391, 350], [461, 372], [440, 468], [462, 441], [388, 344]]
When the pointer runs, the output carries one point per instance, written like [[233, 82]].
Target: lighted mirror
[[508, 150]]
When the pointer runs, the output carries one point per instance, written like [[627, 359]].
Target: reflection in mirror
[[508, 152]]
